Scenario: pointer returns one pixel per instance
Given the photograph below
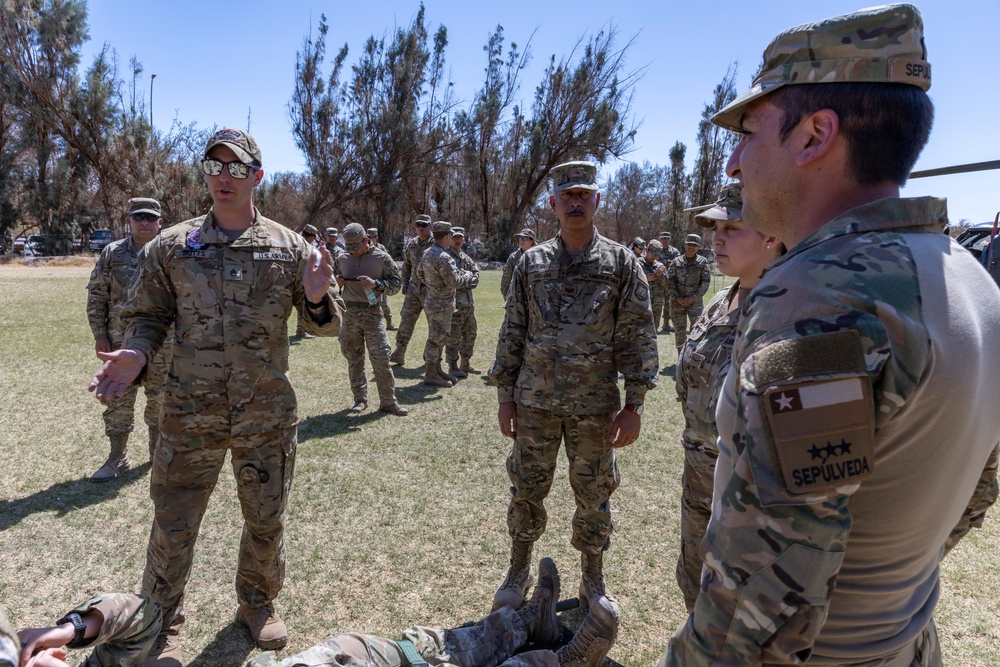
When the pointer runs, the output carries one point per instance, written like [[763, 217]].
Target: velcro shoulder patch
[[829, 354]]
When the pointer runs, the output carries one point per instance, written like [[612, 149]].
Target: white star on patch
[[784, 402]]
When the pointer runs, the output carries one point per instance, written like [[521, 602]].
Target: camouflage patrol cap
[[441, 226], [654, 246], [876, 45], [144, 205], [240, 142], [309, 229], [458, 231], [354, 236], [729, 207], [526, 233], [639, 242], [578, 174], [665, 235], [372, 231], [332, 231], [694, 239], [423, 217]]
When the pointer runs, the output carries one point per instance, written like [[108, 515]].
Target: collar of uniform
[[892, 214], [255, 236], [585, 256]]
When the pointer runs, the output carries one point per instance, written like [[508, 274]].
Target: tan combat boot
[[154, 437], [453, 369], [394, 409], [591, 577], [591, 643], [117, 462], [519, 577], [266, 627], [360, 406], [166, 651], [539, 614], [453, 379], [398, 355], [466, 366], [432, 378]]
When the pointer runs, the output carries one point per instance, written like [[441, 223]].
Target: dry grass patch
[[393, 521]]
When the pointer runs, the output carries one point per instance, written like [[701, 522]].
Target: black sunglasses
[[237, 169], [422, 224], [145, 217]]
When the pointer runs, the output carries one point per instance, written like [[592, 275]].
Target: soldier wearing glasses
[[105, 293], [228, 282]]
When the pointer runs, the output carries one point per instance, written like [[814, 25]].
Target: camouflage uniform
[[687, 278], [383, 298], [668, 255], [830, 515], [441, 278], [572, 324], [462, 340], [508, 270], [702, 364], [413, 301], [226, 389], [491, 642], [131, 624], [363, 324], [657, 288], [106, 292]]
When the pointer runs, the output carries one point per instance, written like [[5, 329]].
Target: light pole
[[152, 79]]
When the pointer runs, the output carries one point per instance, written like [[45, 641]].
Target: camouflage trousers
[[119, 414], [364, 327], [439, 317], [386, 310], [489, 643], [462, 339], [696, 510], [657, 306], [593, 475], [683, 318], [413, 304], [185, 470]]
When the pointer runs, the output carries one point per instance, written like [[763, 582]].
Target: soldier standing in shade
[[413, 289], [577, 315], [462, 340], [669, 254], [365, 274], [382, 298], [106, 292], [656, 276], [335, 249], [228, 282], [310, 234], [525, 239], [441, 279], [834, 495], [688, 279]]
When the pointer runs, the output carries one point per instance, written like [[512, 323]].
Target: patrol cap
[[639, 242], [309, 229], [665, 235], [354, 236], [654, 246], [526, 233], [458, 231], [578, 174], [423, 217], [441, 226], [729, 207], [876, 45], [240, 142], [144, 205], [332, 231], [693, 238], [372, 231]]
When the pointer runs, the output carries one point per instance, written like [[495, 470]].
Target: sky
[[217, 66]]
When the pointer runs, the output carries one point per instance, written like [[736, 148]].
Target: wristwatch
[[632, 407], [79, 627]]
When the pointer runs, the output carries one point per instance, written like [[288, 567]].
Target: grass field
[[392, 521]]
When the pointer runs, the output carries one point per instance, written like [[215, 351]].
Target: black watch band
[[79, 627]]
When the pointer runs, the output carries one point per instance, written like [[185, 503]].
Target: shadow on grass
[[64, 497], [231, 646], [669, 371]]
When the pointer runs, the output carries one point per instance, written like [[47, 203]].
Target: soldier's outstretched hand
[[318, 276], [120, 369]]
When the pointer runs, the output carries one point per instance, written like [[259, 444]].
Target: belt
[[359, 305]]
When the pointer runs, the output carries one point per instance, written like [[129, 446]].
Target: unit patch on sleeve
[[823, 432]]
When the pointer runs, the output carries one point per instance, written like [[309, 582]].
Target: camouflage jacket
[[833, 493], [702, 364], [669, 254], [108, 287], [571, 325], [688, 277], [230, 303], [412, 254], [463, 296], [374, 263], [131, 625], [508, 270], [441, 277], [657, 283]]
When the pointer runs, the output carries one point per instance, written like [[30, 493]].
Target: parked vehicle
[[99, 239], [976, 238], [34, 246]]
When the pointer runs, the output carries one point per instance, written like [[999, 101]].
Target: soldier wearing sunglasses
[[228, 281]]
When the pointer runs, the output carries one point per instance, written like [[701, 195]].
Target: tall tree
[[715, 144], [678, 184]]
